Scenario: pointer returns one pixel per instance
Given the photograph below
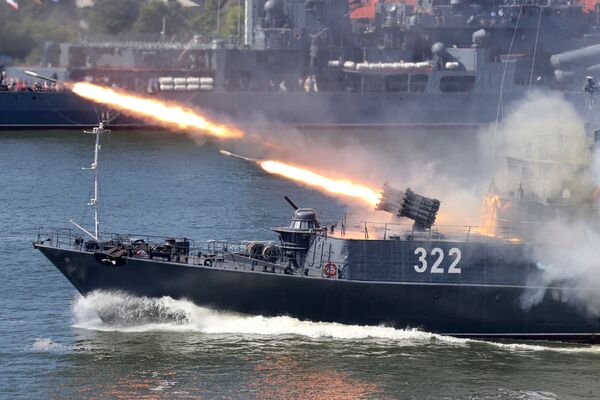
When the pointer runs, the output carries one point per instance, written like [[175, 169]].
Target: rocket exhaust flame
[[490, 215], [405, 203], [391, 200], [342, 187], [155, 110]]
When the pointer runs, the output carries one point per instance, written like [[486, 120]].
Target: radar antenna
[[97, 131]]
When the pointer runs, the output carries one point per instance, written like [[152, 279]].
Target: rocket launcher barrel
[[423, 210]]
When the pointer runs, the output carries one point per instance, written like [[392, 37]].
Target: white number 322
[[439, 254]]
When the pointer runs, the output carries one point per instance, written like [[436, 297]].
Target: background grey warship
[[338, 62]]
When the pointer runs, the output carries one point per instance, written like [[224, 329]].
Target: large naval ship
[[340, 63], [470, 283]]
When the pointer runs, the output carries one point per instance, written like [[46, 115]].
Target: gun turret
[[423, 210]]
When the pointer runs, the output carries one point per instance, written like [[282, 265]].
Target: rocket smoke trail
[[154, 110], [342, 187]]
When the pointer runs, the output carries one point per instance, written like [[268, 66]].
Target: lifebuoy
[[330, 269], [297, 35]]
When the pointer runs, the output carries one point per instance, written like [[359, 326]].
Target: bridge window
[[457, 83], [404, 83], [418, 83], [396, 83]]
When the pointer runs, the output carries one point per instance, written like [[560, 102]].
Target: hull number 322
[[437, 257]]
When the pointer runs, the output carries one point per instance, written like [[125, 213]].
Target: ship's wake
[[110, 311]]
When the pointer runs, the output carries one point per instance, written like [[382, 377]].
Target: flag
[[13, 4]]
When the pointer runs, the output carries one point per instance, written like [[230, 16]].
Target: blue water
[[53, 346]]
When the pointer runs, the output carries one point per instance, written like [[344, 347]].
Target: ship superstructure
[[313, 63]]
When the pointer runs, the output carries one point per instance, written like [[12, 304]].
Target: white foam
[[163, 385], [559, 347], [122, 312], [126, 313], [529, 394], [46, 344]]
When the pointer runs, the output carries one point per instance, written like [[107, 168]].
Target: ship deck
[[219, 254]]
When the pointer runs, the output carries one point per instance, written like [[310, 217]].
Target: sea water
[[53, 343]]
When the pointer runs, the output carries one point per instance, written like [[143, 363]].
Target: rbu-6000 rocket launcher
[[421, 209]]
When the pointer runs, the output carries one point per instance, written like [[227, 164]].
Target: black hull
[[63, 110], [53, 110], [465, 310]]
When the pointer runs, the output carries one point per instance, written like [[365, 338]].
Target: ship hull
[[54, 110], [466, 310], [63, 110]]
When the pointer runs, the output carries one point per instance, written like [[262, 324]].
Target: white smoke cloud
[[435, 164], [541, 145], [566, 252], [549, 135]]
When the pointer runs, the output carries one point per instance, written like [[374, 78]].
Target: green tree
[[114, 16], [21, 32], [232, 18], [205, 22], [151, 16], [15, 42]]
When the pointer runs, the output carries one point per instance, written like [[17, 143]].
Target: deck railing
[[176, 249], [371, 230]]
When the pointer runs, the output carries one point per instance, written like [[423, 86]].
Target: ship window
[[396, 83], [457, 83], [418, 83], [295, 225], [373, 84]]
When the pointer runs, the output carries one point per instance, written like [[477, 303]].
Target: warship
[[433, 63], [464, 283]]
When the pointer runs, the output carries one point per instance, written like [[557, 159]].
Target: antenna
[[97, 131]]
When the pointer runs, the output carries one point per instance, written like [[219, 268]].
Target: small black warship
[[466, 284], [344, 63]]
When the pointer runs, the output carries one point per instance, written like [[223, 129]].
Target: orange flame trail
[[154, 109], [335, 186]]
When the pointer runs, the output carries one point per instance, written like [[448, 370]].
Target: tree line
[[23, 31]]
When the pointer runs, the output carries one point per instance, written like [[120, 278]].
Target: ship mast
[[97, 131]]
